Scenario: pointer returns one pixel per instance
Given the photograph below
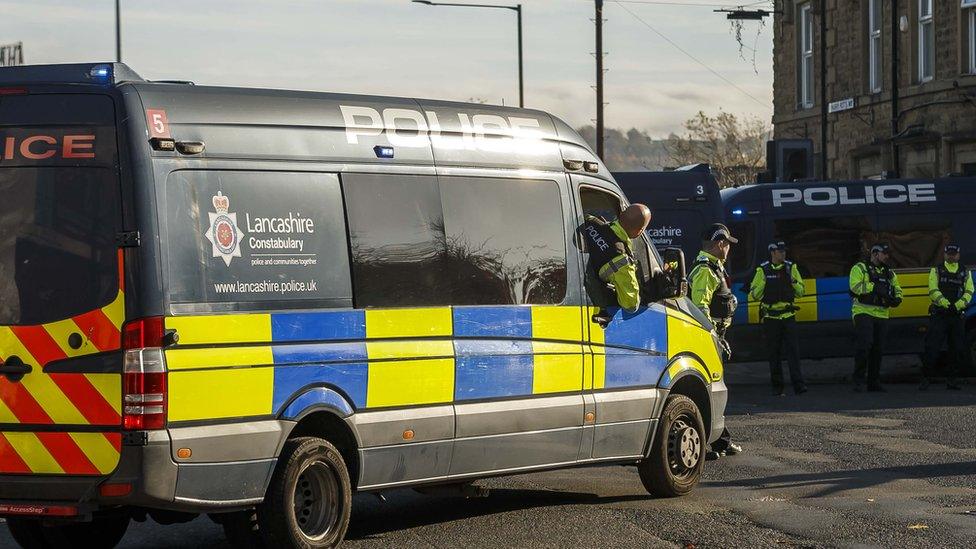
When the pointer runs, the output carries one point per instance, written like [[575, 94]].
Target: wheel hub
[[684, 447], [316, 500]]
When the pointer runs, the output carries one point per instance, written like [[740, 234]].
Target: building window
[[926, 41], [874, 46], [806, 56], [969, 11]]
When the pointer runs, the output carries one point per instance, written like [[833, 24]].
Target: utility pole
[[118, 31], [599, 78], [518, 10]]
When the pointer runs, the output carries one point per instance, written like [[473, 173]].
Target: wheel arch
[[688, 376], [323, 412]]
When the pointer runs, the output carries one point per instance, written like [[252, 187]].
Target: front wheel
[[310, 497], [677, 456]]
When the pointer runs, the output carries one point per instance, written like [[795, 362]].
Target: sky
[[395, 47]]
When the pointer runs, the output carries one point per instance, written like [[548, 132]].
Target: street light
[[517, 9]]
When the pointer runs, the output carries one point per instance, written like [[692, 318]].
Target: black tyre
[[241, 529], [678, 453], [310, 497], [103, 532]]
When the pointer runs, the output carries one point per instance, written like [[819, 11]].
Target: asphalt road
[[827, 469]]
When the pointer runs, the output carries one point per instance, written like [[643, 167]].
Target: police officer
[[710, 284], [951, 289], [712, 293], [874, 290], [611, 277], [776, 285]]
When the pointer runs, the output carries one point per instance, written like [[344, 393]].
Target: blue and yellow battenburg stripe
[[829, 299], [245, 365]]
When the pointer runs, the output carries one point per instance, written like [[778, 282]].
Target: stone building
[[934, 128]]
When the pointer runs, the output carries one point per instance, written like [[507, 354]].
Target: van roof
[[258, 123]]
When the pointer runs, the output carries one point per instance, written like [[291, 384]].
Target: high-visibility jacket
[[867, 282], [710, 290], [950, 285], [612, 261], [776, 287]]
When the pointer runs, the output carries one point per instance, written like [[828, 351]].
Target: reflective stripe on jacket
[[860, 283], [781, 309]]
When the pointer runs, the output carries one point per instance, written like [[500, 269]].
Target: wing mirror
[[672, 282]]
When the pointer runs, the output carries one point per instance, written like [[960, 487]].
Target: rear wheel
[[103, 532], [678, 453], [310, 497]]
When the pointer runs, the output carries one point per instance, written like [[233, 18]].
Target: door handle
[[15, 369]]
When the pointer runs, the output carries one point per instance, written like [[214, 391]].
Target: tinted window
[[396, 232], [505, 240], [742, 255], [240, 240], [599, 203], [916, 241], [463, 241], [825, 246], [57, 242]]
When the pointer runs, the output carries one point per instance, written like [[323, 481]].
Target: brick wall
[[938, 121]]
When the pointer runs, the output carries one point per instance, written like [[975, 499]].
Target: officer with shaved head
[[611, 277]]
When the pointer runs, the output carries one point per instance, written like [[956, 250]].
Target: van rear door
[[61, 295]]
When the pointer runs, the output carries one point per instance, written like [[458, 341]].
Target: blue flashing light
[[101, 72], [737, 211], [383, 152]]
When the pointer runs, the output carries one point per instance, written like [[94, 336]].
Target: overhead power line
[[688, 54]]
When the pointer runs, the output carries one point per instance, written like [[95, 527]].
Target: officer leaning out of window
[[874, 291], [776, 285], [951, 290], [611, 273]]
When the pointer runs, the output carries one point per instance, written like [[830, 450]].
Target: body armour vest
[[723, 302], [779, 284], [881, 279], [952, 285], [603, 245]]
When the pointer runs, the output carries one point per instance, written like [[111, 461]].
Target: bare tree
[[735, 148]]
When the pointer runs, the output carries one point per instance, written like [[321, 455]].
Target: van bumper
[[230, 468], [718, 395]]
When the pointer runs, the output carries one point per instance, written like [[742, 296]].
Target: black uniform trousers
[[869, 332], [943, 326], [780, 335]]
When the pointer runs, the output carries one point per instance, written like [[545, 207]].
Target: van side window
[[916, 241], [420, 241], [505, 241], [396, 236], [599, 203], [255, 240], [825, 246]]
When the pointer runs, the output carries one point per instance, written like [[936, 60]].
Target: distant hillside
[[630, 151]]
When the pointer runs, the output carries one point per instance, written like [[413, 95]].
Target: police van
[[830, 226], [254, 303], [684, 201]]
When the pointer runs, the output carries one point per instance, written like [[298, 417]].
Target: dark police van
[[683, 202], [829, 226], [253, 303]]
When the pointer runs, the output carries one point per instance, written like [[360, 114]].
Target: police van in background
[[829, 226], [683, 202]]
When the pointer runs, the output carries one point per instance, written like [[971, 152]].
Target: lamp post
[[118, 31], [518, 11]]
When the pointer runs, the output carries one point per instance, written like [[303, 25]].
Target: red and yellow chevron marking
[[41, 398]]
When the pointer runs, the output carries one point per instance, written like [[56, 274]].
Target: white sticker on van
[[223, 232]]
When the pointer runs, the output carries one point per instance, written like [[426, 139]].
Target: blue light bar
[[102, 73], [737, 211], [383, 152]]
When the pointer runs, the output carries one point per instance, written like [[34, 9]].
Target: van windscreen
[[60, 209]]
